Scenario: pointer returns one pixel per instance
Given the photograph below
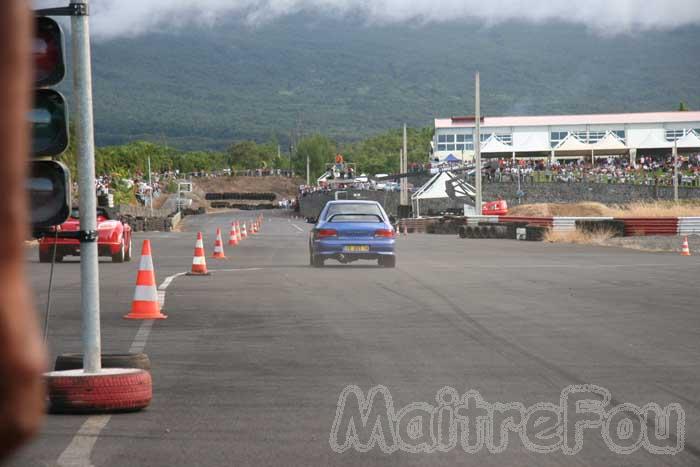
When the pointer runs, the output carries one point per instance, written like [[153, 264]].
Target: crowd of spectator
[[647, 170]]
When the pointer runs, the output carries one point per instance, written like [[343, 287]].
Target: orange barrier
[[199, 262], [218, 246], [145, 304], [685, 251], [233, 236]]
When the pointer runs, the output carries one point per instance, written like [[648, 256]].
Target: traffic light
[[49, 184]]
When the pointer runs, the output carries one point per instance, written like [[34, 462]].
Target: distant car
[[348, 231], [113, 239]]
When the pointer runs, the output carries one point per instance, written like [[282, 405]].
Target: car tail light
[[325, 233], [384, 233]]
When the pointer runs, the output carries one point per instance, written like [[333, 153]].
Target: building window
[[505, 138], [450, 147], [459, 147], [450, 138], [441, 138], [485, 136], [441, 147], [672, 135], [621, 134], [557, 137], [595, 136], [461, 138], [697, 132]]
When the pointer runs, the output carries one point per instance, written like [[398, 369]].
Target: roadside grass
[[579, 237], [593, 209]]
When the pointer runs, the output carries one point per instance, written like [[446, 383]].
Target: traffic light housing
[[49, 184], [49, 193]]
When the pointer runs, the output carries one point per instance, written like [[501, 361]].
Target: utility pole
[[89, 268], [675, 171], [308, 174], [477, 146], [403, 169], [150, 183]]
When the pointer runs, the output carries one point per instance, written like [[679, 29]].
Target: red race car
[[113, 239]]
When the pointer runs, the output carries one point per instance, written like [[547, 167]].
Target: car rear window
[[348, 212]]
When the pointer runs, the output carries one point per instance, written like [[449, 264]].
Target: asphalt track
[[249, 366]]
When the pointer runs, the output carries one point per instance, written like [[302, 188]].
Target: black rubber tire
[[44, 257], [463, 232], [119, 257], [387, 261], [127, 253], [317, 261], [74, 361], [99, 393]]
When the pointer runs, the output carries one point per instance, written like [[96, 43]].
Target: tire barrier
[[74, 361], [242, 207], [111, 391], [265, 196], [535, 233], [149, 224]]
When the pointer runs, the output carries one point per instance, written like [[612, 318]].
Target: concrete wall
[[311, 205]]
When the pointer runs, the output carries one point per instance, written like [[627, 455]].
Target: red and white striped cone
[[238, 231], [244, 232], [199, 262], [218, 246], [685, 251], [145, 304], [253, 228], [233, 236]]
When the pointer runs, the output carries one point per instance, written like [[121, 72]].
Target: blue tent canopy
[[451, 158]]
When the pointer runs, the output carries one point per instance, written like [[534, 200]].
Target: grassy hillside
[[204, 88]]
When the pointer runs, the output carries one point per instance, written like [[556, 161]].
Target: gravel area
[[656, 243]]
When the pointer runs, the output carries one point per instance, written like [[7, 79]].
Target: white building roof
[[689, 141], [565, 120], [495, 145]]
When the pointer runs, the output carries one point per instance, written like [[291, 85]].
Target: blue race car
[[352, 230]]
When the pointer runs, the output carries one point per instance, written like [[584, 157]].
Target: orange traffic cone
[[238, 231], [218, 246], [145, 304], [253, 227], [244, 232], [199, 262], [685, 251], [233, 236]]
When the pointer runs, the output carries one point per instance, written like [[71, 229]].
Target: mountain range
[[208, 86]]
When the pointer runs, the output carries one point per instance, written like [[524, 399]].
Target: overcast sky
[[115, 18]]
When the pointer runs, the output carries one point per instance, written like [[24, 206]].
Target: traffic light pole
[[89, 269]]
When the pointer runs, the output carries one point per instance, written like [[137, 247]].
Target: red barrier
[[640, 226]]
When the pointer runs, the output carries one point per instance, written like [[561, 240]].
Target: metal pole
[[89, 269], [308, 175], [477, 146], [150, 183], [404, 168], [675, 171]]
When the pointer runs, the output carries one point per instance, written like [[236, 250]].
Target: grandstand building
[[567, 136]]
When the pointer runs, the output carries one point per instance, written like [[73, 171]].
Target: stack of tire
[[502, 230]]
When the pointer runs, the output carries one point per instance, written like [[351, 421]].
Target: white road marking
[[297, 227], [78, 452], [235, 270]]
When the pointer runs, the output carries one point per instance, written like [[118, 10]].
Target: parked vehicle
[[113, 239]]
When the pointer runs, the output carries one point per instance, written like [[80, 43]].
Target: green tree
[[682, 107], [319, 149]]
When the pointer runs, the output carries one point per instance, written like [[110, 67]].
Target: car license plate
[[355, 248]]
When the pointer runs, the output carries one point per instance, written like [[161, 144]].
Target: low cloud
[[116, 18]]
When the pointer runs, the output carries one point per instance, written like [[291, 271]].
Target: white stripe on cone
[[199, 261], [146, 263], [146, 293]]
